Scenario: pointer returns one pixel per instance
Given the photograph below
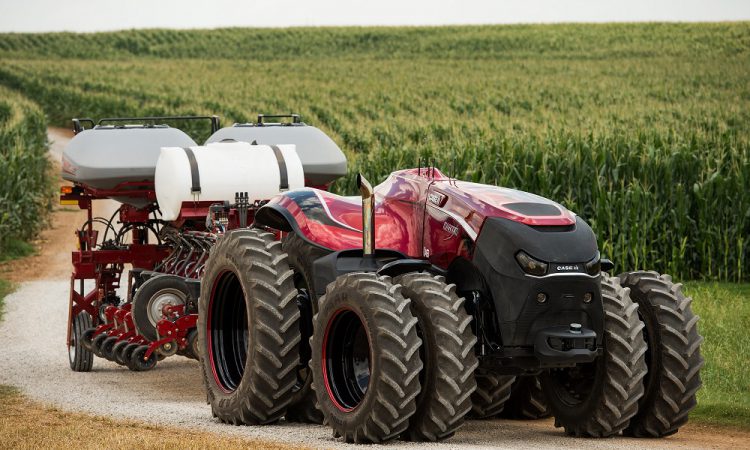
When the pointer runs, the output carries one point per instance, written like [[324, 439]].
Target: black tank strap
[[283, 176], [196, 188], [196, 178]]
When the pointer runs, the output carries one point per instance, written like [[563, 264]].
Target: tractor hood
[[476, 202]]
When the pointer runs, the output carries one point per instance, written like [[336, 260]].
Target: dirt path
[[35, 360]]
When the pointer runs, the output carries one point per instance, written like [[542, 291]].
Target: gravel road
[[35, 360]]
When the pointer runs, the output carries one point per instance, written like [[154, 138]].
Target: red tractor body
[[421, 213], [423, 219]]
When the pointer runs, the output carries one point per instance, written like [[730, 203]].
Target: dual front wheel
[[644, 384]]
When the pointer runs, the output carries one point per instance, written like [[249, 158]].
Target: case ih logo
[[568, 268], [436, 198], [452, 229]]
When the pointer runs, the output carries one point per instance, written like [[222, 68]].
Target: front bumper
[[563, 345]]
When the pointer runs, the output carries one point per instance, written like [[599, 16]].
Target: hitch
[[565, 345]]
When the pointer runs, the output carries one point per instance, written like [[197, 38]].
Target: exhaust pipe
[[368, 215]]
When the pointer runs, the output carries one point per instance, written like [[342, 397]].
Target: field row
[[25, 180], [561, 41]]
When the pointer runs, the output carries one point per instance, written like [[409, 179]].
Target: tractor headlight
[[594, 266], [531, 265]]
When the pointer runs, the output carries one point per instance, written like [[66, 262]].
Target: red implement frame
[[105, 267]]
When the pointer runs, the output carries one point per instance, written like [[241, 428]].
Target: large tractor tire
[[526, 400], [365, 358], [673, 357], [598, 399], [150, 299], [81, 358], [248, 329], [447, 353], [490, 396], [304, 405]]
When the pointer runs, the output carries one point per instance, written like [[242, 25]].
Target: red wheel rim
[[346, 359]]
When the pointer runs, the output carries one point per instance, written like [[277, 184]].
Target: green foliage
[[25, 182], [724, 309], [642, 129], [14, 249]]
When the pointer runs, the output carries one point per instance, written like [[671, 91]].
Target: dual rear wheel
[[526, 400], [375, 344], [304, 405]]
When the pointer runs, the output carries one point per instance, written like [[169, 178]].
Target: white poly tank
[[223, 169]]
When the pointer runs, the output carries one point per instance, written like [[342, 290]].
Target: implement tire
[[598, 399], [304, 405], [673, 357], [248, 329], [81, 359], [151, 297], [365, 358], [447, 354], [526, 400]]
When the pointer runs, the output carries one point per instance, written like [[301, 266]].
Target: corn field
[[25, 181], [642, 129]]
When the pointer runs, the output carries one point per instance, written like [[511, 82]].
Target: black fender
[[333, 265], [407, 265], [273, 215]]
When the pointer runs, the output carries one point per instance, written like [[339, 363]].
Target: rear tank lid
[[322, 160]]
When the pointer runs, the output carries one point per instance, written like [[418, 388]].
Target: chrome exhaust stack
[[368, 215], [369, 259]]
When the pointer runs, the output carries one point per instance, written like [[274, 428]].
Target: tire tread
[[265, 392], [387, 415], [623, 368], [676, 355], [442, 409]]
